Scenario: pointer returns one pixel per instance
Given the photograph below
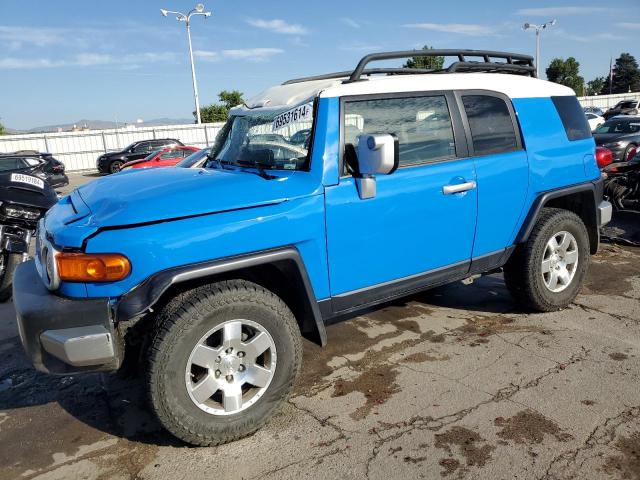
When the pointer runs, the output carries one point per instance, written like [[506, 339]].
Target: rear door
[[412, 228], [502, 168]]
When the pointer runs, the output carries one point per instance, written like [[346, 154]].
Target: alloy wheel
[[559, 261], [231, 367]]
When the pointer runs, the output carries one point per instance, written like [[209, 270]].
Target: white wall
[[606, 101], [79, 150]]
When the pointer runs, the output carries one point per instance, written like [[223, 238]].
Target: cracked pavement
[[455, 383]]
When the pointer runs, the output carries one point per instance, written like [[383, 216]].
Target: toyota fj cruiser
[[322, 196]]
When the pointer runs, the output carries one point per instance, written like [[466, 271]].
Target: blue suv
[[321, 196]]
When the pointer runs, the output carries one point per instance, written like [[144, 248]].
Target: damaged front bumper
[[63, 335]]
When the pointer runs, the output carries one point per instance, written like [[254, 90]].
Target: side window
[[422, 125], [491, 124], [142, 147], [574, 121]]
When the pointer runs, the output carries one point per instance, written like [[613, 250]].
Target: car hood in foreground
[[154, 195]]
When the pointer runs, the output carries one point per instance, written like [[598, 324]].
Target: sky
[[66, 60]]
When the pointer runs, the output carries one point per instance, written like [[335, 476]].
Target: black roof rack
[[511, 63]]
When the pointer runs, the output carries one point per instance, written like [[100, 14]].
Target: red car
[[166, 157]]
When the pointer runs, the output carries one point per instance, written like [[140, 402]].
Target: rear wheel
[[8, 264], [628, 151], [115, 166], [223, 359], [547, 272]]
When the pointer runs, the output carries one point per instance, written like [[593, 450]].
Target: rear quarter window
[[573, 118]]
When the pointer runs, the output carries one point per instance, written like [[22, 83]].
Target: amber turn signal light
[[92, 267]]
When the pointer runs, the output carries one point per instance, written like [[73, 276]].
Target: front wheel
[[223, 359], [547, 272], [8, 264], [115, 166]]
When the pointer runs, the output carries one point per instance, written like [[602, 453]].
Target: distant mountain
[[102, 124]]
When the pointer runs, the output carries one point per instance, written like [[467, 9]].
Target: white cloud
[[278, 26], [252, 54], [206, 55], [630, 26], [460, 28], [559, 11], [15, 37], [350, 22], [128, 61]]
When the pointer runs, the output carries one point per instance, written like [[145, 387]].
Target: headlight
[[92, 267], [16, 211]]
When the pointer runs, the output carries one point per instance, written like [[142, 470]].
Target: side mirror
[[377, 155]]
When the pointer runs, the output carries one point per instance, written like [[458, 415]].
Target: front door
[[415, 224]]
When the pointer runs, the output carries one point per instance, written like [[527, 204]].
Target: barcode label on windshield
[[298, 114], [21, 178]]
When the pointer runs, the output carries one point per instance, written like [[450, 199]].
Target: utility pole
[[186, 17], [538, 29]]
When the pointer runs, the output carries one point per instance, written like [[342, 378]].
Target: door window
[[491, 125], [143, 147], [421, 124]]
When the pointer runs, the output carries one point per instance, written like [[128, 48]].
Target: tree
[[430, 63], [3, 131], [567, 73], [219, 112], [626, 75], [596, 86]]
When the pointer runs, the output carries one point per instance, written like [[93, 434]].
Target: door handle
[[458, 188]]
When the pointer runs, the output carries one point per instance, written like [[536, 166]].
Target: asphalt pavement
[[455, 382]]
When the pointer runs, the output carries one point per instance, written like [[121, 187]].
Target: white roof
[[514, 86]]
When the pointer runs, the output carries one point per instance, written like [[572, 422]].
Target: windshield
[[618, 126], [275, 140], [192, 159], [153, 154]]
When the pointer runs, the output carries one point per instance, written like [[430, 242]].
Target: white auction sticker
[[298, 114], [21, 178]]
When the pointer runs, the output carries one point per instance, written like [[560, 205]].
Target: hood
[[158, 194], [135, 162], [121, 153]]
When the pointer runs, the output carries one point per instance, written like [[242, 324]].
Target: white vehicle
[[594, 120]]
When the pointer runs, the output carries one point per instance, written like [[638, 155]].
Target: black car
[[625, 107], [38, 164], [620, 135], [112, 161]]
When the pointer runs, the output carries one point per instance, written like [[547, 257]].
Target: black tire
[[115, 166], [182, 324], [630, 147], [11, 261], [523, 272]]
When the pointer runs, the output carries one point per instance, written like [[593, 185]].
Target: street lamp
[[538, 28], [186, 17]]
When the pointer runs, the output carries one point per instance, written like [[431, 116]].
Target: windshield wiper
[[261, 172]]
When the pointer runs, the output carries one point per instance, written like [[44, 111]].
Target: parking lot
[[454, 382]]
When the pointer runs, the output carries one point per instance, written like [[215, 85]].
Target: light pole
[[186, 17], [538, 28]]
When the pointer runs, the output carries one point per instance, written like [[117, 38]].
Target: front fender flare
[[148, 293]]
